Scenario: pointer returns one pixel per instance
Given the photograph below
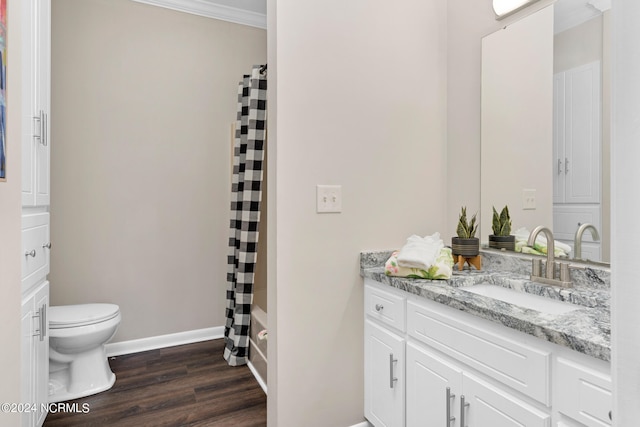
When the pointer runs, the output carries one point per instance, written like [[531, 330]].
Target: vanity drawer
[[35, 250], [583, 393], [499, 356], [385, 307]]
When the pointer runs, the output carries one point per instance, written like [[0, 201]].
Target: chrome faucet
[[550, 269], [577, 242]]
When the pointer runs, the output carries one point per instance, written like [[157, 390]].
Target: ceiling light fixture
[[504, 8]]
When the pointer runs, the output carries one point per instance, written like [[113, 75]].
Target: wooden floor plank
[[189, 385]]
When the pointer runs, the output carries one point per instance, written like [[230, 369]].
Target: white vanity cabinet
[[427, 364], [36, 71]]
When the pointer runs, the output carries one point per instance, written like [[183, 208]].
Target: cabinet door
[[36, 64], [384, 376], [43, 84], [558, 138], [576, 135], [428, 377], [41, 352], [491, 406], [27, 359], [28, 101], [582, 134]]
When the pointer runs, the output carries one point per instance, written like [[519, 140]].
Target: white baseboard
[[258, 377], [161, 341]]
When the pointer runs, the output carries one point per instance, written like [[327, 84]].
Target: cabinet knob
[[46, 246], [32, 253], [379, 307]]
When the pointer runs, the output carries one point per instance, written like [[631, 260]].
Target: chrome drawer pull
[[32, 253], [46, 246], [379, 307], [392, 379], [449, 397]]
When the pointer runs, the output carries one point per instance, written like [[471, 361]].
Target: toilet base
[[58, 391], [89, 373]]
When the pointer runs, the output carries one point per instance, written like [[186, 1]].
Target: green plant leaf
[[495, 223]]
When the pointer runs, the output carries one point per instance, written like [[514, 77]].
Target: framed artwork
[[3, 90]]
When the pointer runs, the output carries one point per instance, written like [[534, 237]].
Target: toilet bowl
[[78, 363]]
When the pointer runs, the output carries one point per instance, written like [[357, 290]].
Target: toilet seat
[[71, 316]]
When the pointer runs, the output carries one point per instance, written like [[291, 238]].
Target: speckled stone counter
[[586, 330]]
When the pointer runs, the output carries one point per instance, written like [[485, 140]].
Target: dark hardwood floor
[[188, 385]]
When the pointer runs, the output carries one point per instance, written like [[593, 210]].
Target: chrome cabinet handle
[[41, 332], [39, 120], [610, 416], [31, 253], [559, 166], [379, 307], [392, 379], [42, 123], [463, 407], [449, 397], [38, 332], [566, 165], [43, 319], [46, 246], [45, 134]]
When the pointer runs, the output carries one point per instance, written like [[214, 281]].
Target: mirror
[[545, 124]]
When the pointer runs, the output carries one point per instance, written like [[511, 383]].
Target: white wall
[[625, 180], [142, 102], [361, 102], [10, 219]]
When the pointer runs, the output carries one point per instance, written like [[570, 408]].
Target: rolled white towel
[[420, 252]]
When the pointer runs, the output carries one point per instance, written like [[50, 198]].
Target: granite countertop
[[586, 330]]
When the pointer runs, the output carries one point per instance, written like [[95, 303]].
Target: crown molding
[[601, 5], [211, 10]]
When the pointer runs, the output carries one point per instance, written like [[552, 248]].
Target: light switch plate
[[528, 199], [328, 198]]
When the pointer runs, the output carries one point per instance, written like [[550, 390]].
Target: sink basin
[[523, 299]]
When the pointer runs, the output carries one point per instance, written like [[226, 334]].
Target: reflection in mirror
[[545, 124]]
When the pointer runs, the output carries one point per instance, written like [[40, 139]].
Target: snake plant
[[466, 229], [501, 223]]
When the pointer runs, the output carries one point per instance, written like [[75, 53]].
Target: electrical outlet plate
[[328, 198]]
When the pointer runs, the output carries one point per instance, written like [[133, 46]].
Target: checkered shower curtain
[[246, 195]]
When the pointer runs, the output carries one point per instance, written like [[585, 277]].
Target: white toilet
[[78, 363]]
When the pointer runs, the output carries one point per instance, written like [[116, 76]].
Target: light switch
[[329, 198]]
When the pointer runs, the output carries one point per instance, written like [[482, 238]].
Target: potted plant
[[466, 244], [501, 237]]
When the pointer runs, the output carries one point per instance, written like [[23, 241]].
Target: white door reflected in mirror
[[503, 8]]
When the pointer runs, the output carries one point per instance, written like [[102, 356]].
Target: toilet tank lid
[[81, 314]]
